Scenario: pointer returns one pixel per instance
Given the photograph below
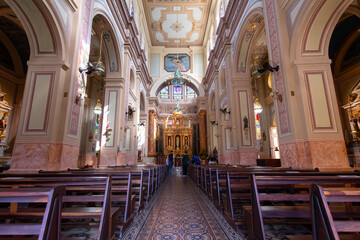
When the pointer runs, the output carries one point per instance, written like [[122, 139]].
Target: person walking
[[185, 163], [170, 163]]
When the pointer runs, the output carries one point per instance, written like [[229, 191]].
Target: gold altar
[[177, 136]]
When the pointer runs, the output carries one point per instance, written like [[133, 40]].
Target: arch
[[312, 32], [254, 25], [160, 84], [164, 84], [112, 50], [44, 36], [347, 44]]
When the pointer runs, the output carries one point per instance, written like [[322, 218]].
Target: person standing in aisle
[[170, 163], [185, 163]]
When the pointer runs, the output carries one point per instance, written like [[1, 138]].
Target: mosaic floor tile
[[180, 211]]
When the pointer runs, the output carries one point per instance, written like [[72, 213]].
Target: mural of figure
[[169, 141]]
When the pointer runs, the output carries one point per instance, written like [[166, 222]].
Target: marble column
[[202, 126], [151, 146]]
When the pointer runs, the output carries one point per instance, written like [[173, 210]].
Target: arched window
[[164, 93], [190, 93], [177, 92], [174, 92]]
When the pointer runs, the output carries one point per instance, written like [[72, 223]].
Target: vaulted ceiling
[[175, 23]]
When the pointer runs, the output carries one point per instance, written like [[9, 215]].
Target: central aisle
[[180, 211]]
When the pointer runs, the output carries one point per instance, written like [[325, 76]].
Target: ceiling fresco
[[177, 23]]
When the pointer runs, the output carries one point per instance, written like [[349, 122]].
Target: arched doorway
[[14, 54], [344, 51]]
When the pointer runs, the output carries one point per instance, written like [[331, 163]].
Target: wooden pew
[[120, 203], [286, 189], [324, 225], [50, 225]]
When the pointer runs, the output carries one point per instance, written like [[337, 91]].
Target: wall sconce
[[214, 122], [276, 95], [141, 124], [276, 149], [266, 66], [97, 108], [130, 111], [258, 70], [246, 123], [224, 111]]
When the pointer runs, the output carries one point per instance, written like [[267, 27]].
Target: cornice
[[127, 27], [225, 31]]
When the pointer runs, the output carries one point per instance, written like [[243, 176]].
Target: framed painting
[[173, 61]]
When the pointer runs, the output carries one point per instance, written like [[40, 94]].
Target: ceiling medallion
[[176, 26]]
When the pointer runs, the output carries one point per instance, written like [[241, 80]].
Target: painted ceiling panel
[[177, 22]]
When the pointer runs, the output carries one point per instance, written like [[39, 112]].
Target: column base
[[40, 156], [314, 154]]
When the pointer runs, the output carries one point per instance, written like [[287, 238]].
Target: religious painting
[[186, 141], [177, 61]]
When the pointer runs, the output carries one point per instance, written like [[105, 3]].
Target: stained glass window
[[177, 92], [164, 93], [97, 128], [190, 93], [258, 128]]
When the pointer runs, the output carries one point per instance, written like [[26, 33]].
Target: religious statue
[[169, 141], [177, 142], [186, 141], [178, 108], [2, 126]]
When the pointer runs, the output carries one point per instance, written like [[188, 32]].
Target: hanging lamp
[[99, 67]]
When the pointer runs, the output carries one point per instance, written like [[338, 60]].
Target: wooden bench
[[268, 162], [82, 193], [324, 225], [292, 197], [50, 225]]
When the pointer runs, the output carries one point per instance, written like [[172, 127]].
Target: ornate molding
[[225, 32]]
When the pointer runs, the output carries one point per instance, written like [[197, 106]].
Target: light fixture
[[130, 111], [276, 149], [214, 122], [266, 66], [258, 70], [98, 68], [224, 111], [97, 108], [91, 70], [257, 106], [275, 94]]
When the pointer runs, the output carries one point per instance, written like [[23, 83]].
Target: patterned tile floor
[[180, 211]]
